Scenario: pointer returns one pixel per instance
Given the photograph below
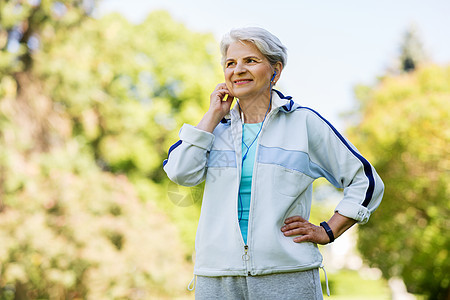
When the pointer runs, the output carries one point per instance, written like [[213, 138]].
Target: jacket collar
[[279, 102], [282, 102]]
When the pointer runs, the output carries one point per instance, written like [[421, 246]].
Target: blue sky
[[332, 45]]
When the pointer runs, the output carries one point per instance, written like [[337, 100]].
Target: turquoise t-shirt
[[249, 132]]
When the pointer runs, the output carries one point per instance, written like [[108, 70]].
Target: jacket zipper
[[246, 256], [246, 259]]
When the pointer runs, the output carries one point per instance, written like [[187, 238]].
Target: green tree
[[412, 53], [88, 110], [405, 131], [131, 87]]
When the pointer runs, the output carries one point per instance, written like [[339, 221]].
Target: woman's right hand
[[217, 105], [218, 108]]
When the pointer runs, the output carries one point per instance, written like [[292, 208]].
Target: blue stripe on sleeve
[[366, 164], [170, 150]]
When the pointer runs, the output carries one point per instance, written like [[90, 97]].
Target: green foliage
[[24, 23], [405, 132], [88, 109], [350, 285], [131, 86], [69, 230]]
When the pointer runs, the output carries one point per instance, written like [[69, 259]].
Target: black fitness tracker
[[328, 230]]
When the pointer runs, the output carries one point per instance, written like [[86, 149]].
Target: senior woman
[[259, 159]]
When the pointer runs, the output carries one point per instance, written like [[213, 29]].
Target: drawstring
[[193, 282], [326, 279]]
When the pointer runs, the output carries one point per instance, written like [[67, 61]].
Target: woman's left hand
[[309, 232]]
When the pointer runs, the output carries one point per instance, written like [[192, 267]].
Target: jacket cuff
[[354, 211], [196, 137]]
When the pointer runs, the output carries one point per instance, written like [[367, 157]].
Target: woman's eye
[[229, 64], [251, 60]]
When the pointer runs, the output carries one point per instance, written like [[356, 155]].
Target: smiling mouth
[[242, 81]]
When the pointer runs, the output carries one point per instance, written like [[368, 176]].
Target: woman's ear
[[278, 68]]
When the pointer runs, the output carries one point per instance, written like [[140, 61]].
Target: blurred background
[[92, 94]]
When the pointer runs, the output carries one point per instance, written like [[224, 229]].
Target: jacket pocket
[[289, 182]]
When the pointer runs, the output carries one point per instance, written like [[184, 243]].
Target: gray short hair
[[269, 45]]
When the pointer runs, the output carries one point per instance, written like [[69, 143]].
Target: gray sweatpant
[[303, 285]]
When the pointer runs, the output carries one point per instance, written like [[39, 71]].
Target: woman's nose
[[239, 69]]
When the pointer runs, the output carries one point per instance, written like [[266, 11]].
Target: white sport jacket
[[295, 147]]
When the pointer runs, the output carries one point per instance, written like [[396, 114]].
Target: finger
[[224, 90], [220, 93], [304, 238], [292, 226], [223, 86], [297, 231], [294, 219]]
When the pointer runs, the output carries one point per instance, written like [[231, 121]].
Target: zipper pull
[[245, 256]]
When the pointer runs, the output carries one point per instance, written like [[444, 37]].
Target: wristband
[[328, 230]]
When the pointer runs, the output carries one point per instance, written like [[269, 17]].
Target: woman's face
[[247, 71]]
